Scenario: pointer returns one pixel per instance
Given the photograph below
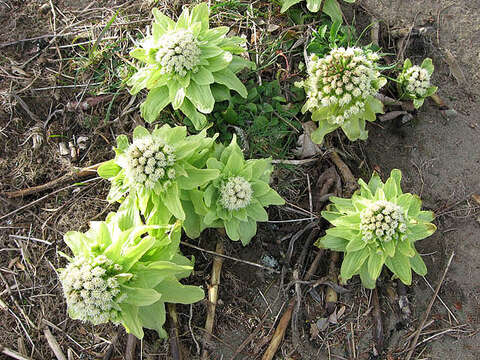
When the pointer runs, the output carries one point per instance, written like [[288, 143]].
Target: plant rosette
[[330, 7], [378, 225], [414, 82], [122, 274], [341, 89], [156, 167], [236, 199], [188, 65]]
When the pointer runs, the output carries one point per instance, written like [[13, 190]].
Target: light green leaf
[[108, 169], [417, 103], [427, 64], [367, 280], [405, 247], [220, 62], [77, 242], [198, 120], [390, 189], [332, 9], [287, 4], [140, 296], [131, 320], [343, 233], [375, 182], [153, 317], [375, 264], [356, 244], [201, 13], [332, 242], [214, 34], [420, 231], [229, 79], [232, 228], [201, 97], [389, 248], [140, 132], [247, 230], [174, 292], [176, 93], [323, 129], [352, 262], [400, 266], [426, 216], [256, 211], [155, 102], [417, 264], [196, 177], [349, 221], [203, 76], [172, 201]]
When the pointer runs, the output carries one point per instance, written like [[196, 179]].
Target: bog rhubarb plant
[[188, 65], [156, 167], [378, 226], [235, 200], [414, 82], [341, 89], [121, 273]]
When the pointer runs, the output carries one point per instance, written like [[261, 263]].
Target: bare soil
[[439, 156]]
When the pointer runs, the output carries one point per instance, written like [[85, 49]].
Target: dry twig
[[72, 176], [429, 308], [130, 348], [12, 353], [175, 347], [279, 332], [377, 317], [53, 343], [213, 295]]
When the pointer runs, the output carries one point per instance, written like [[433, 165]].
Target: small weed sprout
[[188, 65], [330, 7], [378, 225], [121, 273], [414, 82], [340, 92]]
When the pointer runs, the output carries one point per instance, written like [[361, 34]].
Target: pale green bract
[[235, 200], [121, 273], [188, 65], [330, 7], [378, 225], [156, 167], [341, 89], [414, 82]]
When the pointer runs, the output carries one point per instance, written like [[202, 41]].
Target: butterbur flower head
[[236, 200], [235, 193], [414, 82], [157, 165], [380, 215], [182, 60], [178, 53], [150, 162], [91, 290], [121, 268], [340, 90], [378, 226]]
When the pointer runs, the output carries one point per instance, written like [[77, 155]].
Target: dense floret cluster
[[382, 220], [416, 81], [236, 193], [150, 162], [178, 53], [344, 78], [91, 289]]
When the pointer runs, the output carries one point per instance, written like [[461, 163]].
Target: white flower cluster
[[91, 290], [382, 220], [236, 193], [150, 162], [343, 78], [416, 81], [178, 53]]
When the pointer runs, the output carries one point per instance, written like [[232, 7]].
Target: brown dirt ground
[[439, 157]]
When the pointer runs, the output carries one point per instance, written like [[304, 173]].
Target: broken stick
[[213, 295], [72, 176]]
